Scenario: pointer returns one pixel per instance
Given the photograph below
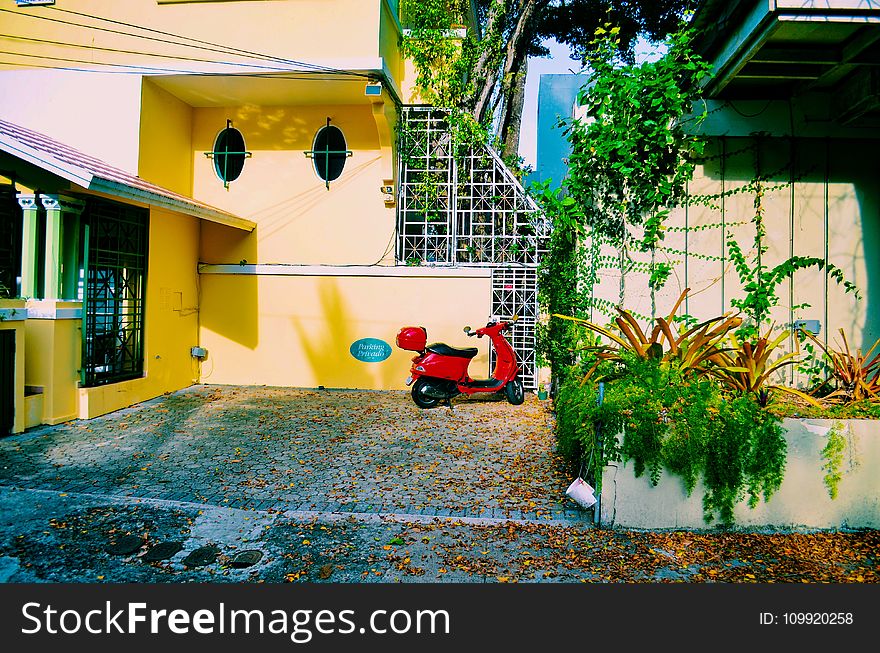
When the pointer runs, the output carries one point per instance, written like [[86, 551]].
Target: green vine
[[760, 281], [832, 454]]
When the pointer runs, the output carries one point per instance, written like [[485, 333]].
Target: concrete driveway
[[253, 484]]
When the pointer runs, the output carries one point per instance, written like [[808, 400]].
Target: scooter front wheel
[[422, 400], [514, 392]]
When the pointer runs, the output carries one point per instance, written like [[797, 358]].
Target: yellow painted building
[[210, 191]]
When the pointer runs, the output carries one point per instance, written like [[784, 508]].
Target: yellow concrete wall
[[54, 350], [298, 219], [171, 321], [297, 330], [389, 40], [291, 29], [18, 326], [165, 154]]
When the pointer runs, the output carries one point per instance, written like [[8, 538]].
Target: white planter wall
[[801, 502]]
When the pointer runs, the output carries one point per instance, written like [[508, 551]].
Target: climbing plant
[[634, 154], [759, 281]]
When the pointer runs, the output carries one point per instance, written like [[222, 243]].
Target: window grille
[[115, 288]]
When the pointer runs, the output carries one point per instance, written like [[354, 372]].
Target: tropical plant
[[857, 374], [745, 367], [690, 351]]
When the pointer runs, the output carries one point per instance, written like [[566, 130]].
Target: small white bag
[[581, 493]]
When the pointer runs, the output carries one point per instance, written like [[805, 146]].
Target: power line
[[139, 53], [195, 40], [217, 47], [292, 76], [17, 64], [94, 63]]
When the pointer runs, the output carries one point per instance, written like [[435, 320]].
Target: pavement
[[263, 484]]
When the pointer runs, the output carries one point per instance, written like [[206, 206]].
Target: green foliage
[[631, 162], [660, 419], [442, 60], [832, 454], [564, 283]]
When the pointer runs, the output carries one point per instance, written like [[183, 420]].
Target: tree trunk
[[485, 73], [511, 121], [515, 53]]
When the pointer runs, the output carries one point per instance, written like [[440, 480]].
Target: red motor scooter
[[440, 372]]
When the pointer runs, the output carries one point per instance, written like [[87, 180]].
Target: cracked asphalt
[[346, 487]]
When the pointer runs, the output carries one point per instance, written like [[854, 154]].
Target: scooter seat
[[445, 350]]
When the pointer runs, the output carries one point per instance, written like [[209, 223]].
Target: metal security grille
[[7, 381], [515, 292], [462, 206], [116, 269], [10, 242]]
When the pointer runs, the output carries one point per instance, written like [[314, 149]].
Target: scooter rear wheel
[[514, 392], [422, 400]]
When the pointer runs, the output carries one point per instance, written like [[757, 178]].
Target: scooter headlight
[[419, 368]]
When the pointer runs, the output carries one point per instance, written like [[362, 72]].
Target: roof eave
[[125, 191]]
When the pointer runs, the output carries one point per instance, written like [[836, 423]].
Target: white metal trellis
[[463, 206], [514, 292], [460, 208]]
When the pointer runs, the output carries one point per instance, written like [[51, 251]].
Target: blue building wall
[[557, 95]]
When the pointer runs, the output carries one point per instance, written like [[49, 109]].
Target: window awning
[[38, 151]]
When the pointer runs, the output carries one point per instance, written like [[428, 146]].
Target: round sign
[[370, 350]]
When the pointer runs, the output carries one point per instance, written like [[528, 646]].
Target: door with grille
[[7, 381], [115, 287]]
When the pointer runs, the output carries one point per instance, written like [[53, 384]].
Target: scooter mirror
[[467, 329]]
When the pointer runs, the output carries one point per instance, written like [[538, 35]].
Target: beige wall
[[297, 330], [801, 501], [842, 170], [291, 29], [95, 113]]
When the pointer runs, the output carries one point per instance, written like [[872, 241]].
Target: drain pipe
[[597, 512]]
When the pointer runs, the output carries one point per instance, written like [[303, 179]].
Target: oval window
[[329, 153], [229, 154]]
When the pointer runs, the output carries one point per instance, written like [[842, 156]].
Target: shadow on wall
[[838, 170], [230, 306], [231, 309], [326, 347], [869, 208]]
